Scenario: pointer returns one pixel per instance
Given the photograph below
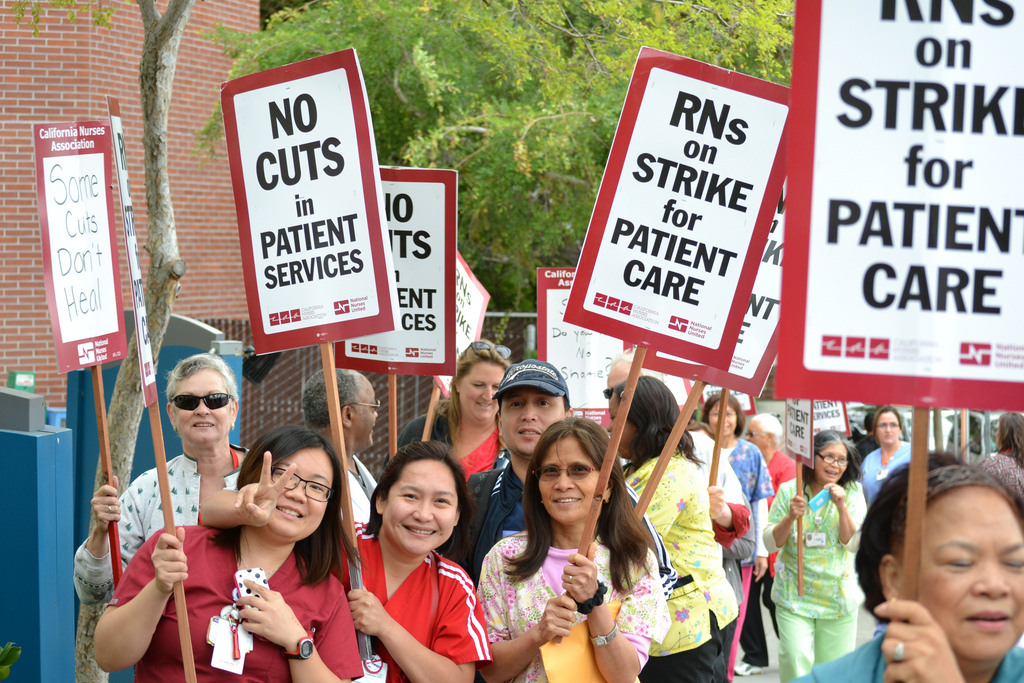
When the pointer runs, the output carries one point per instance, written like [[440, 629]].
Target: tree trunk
[[162, 37]]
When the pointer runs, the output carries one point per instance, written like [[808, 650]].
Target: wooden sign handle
[[612, 454], [106, 463], [428, 426], [723, 408], [917, 496], [392, 415], [799, 532]]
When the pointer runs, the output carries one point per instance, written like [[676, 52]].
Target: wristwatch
[[304, 650], [601, 641]]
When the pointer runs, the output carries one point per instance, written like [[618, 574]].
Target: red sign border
[[116, 342], [450, 180], [383, 321], [793, 379], [576, 314]]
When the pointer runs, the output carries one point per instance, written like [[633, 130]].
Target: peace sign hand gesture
[[256, 502]]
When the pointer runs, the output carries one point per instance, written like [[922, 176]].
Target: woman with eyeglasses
[[468, 419], [820, 625], [891, 453], [202, 403], [286, 619], [536, 587]]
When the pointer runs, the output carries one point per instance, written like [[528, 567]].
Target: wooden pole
[[428, 426], [670, 447], [723, 408], [612, 454], [106, 464], [800, 528], [963, 434], [392, 415], [160, 458], [917, 495], [348, 527]]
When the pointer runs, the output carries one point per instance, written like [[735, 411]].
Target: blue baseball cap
[[533, 373]]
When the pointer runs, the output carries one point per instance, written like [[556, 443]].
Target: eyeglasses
[[889, 425], [751, 435], [375, 406], [842, 462], [212, 401], [608, 393], [314, 489], [499, 349], [551, 473]]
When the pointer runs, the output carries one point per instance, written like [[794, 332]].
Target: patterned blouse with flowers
[[830, 580], [511, 609], [680, 511]]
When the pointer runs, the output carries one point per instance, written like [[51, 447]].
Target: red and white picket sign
[[315, 251], [684, 209], [80, 267], [471, 299], [422, 213], [905, 230]]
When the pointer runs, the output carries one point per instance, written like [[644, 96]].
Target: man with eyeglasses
[[532, 396], [359, 409], [766, 432]]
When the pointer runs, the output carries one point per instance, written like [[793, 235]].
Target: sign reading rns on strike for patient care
[[905, 244], [76, 210], [683, 212], [421, 206], [315, 250]]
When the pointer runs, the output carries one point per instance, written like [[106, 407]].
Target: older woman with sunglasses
[[821, 624], [468, 420], [202, 403]]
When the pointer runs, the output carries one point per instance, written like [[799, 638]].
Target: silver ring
[[109, 510], [899, 653], [569, 580]]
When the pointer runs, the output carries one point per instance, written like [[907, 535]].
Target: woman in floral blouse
[[535, 587], [820, 625]]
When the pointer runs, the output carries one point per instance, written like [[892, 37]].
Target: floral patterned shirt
[[830, 581], [680, 511], [755, 479], [511, 609]]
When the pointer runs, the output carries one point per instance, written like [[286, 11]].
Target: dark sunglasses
[[212, 401], [502, 351]]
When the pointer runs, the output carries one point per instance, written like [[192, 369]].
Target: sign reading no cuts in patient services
[[80, 268], [755, 349], [684, 209], [421, 207], [147, 368], [315, 250], [905, 239]]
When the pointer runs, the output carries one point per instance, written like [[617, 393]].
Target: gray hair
[[315, 413], [201, 361], [627, 357], [771, 425]]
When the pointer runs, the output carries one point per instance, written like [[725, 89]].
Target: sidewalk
[[865, 627]]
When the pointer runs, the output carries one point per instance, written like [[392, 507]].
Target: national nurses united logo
[[678, 324], [342, 307], [412, 353], [974, 353], [86, 353]]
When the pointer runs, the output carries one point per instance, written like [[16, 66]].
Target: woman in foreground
[[970, 607], [535, 586], [300, 626]]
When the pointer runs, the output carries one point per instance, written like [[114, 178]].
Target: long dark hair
[[617, 527], [458, 544], [654, 413], [1010, 436], [823, 440], [322, 552]]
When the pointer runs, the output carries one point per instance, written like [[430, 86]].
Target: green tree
[[520, 97]]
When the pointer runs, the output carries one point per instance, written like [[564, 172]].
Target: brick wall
[[63, 75]]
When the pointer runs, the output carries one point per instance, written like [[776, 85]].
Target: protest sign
[[758, 340], [582, 356], [471, 301], [80, 270], [684, 209], [747, 404], [315, 250], [903, 274], [421, 206], [799, 437], [147, 368], [831, 415]]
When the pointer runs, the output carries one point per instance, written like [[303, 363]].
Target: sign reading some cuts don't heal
[[421, 206], [80, 269], [147, 368], [756, 347], [684, 209], [905, 240], [315, 249]]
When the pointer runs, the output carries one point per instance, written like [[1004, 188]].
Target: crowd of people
[[474, 557]]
